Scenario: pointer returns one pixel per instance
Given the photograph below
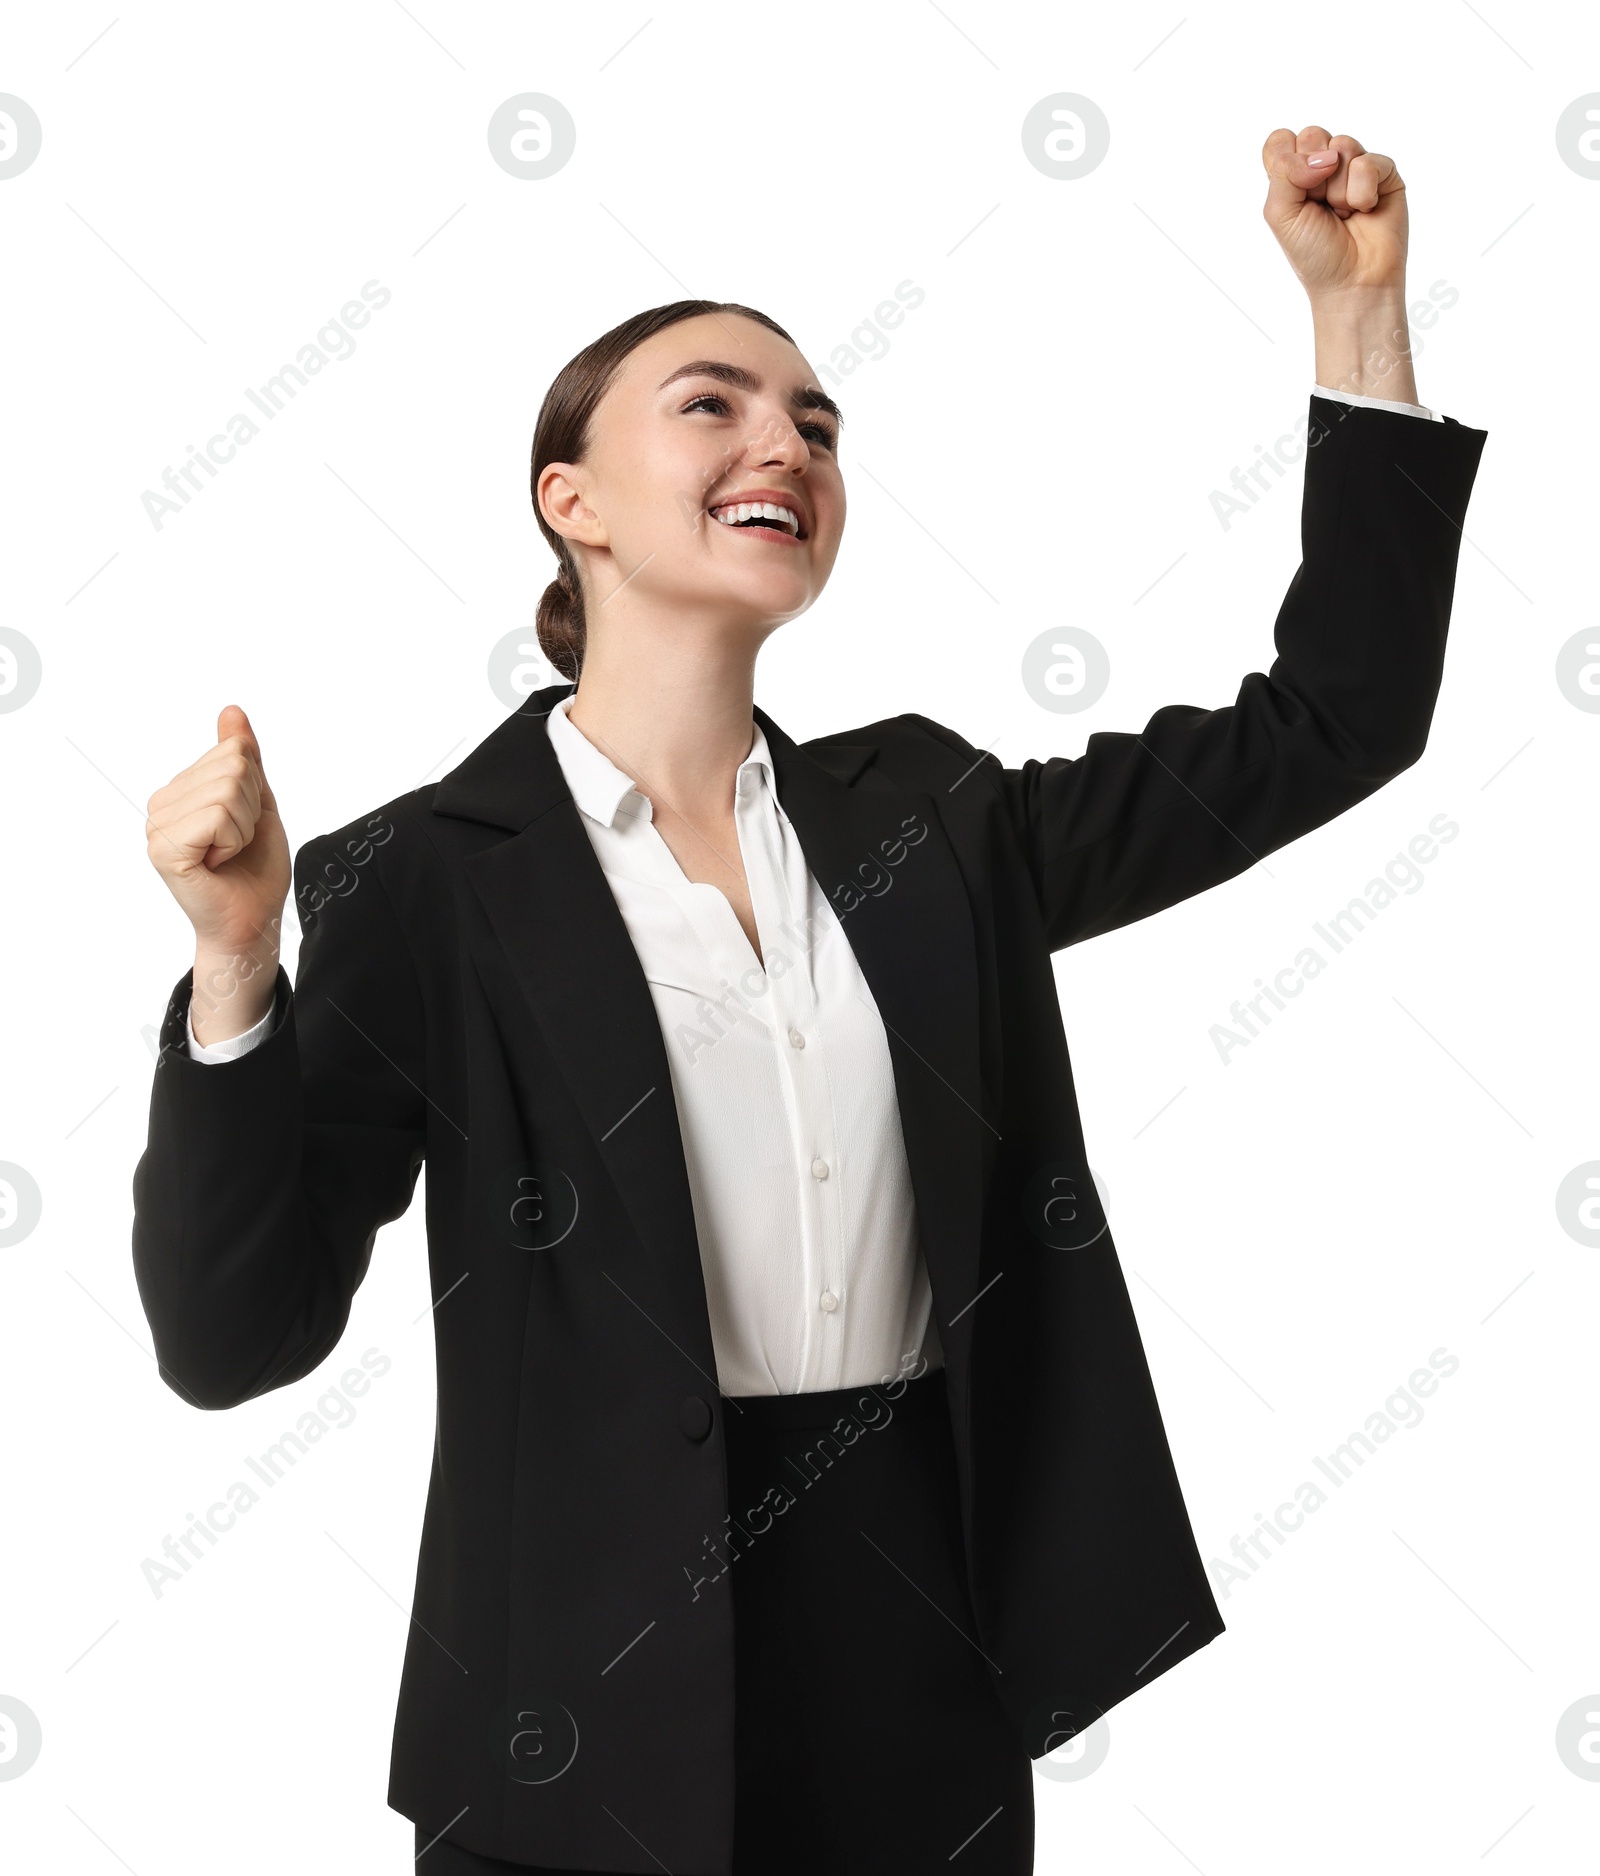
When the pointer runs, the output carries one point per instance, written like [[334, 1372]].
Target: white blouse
[[783, 1082], [784, 1088]]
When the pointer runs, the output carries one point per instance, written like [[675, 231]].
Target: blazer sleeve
[[1141, 821], [265, 1179]]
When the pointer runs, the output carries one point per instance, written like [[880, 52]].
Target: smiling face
[[709, 422]]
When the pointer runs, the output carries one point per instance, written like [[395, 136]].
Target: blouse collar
[[603, 791]]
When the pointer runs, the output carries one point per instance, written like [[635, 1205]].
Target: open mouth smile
[[765, 513]]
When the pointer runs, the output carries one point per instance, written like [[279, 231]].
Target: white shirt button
[[829, 1301], [796, 1040], [819, 1169]]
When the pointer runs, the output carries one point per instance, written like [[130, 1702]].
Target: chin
[[775, 598]]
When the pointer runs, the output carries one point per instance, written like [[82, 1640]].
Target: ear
[[560, 495]]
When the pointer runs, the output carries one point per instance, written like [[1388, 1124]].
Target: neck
[[674, 717]]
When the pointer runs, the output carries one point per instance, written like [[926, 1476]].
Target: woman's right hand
[[214, 836]]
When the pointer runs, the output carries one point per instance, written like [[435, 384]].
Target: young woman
[[798, 1475]]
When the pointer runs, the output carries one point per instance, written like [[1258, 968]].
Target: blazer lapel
[[881, 857], [879, 852], [547, 901]]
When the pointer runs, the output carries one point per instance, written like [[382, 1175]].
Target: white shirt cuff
[[1377, 403], [232, 1046]]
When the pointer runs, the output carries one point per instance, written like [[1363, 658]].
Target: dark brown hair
[[562, 435]]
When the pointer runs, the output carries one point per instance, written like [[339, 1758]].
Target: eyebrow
[[803, 396]]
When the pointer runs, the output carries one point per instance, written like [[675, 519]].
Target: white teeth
[[735, 512]]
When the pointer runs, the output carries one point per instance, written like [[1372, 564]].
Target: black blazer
[[467, 993]]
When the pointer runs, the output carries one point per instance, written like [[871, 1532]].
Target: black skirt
[[868, 1736]]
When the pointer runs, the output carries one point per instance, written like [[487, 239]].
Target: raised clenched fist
[[1338, 211], [214, 836]]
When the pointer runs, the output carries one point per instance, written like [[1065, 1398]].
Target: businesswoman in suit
[[798, 1476]]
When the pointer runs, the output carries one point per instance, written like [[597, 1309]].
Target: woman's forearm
[[1363, 343], [232, 993]]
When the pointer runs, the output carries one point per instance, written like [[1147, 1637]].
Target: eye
[[824, 433]]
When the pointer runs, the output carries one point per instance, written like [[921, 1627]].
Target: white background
[[1371, 1179]]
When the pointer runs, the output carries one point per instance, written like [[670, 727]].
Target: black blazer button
[[694, 1416]]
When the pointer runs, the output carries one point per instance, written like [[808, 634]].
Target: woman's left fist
[[1339, 211]]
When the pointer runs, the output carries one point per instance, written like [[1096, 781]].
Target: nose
[[777, 440]]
